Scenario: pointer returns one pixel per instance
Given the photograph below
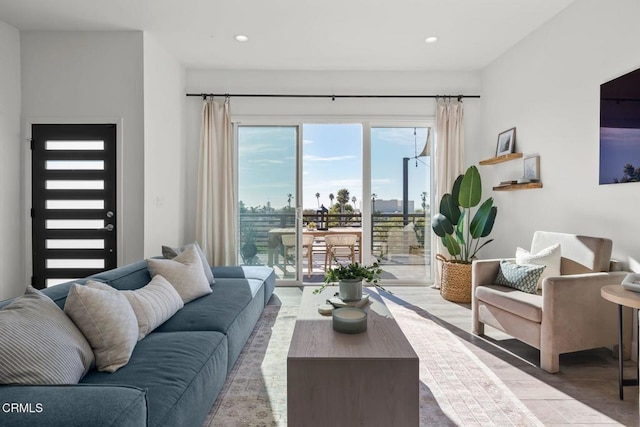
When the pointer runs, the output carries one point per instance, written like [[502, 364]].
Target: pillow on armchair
[[523, 277], [549, 257]]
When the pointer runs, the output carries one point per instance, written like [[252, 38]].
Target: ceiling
[[305, 34]]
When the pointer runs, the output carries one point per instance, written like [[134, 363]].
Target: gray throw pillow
[[184, 272], [523, 277], [107, 321], [152, 304], [170, 253], [39, 344]]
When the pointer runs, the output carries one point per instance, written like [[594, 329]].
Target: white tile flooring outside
[[584, 392]]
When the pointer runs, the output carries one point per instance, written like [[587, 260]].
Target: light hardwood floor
[[584, 392]]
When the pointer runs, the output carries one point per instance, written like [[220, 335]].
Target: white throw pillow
[[39, 344], [549, 257], [184, 272], [152, 304], [107, 321]]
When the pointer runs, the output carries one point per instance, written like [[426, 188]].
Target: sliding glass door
[[400, 202], [268, 197], [299, 183]]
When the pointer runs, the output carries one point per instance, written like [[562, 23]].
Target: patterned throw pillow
[[39, 344], [170, 253], [549, 257], [523, 277]]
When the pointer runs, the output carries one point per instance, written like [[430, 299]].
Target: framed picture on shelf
[[506, 142], [532, 168]]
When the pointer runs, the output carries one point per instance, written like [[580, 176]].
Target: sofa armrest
[[574, 312], [72, 405]]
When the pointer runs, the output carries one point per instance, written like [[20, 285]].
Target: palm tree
[[353, 199], [331, 197], [343, 199], [318, 197], [289, 197]]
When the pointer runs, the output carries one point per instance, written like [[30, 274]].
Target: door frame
[[27, 184], [367, 122]]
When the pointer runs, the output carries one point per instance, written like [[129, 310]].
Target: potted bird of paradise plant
[[461, 231]]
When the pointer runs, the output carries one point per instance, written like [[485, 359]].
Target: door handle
[[109, 227]]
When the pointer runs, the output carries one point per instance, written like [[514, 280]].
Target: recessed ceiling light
[[242, 38], [431, 39]]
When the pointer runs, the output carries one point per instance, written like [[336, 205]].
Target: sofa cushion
[[213, 312], [516, 302], [182, 373], [258, 272], [108, 322], [152, 304], [522, 277], [39, 344], [184, 272], [549, 257], [169, 252]]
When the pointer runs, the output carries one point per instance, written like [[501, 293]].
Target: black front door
[[74, 216]]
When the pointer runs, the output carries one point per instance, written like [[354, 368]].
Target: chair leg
[[549, 361]]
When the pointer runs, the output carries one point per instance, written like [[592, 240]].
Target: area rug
[[456, 389]]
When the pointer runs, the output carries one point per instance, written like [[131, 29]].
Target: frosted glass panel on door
[[75, 263], [75, 224], [75, 204], [97, 184], [54, 282], [75, 165], [75, 243], [75, 145]]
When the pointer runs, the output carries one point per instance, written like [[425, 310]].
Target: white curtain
[[449, 148], [216, 217]]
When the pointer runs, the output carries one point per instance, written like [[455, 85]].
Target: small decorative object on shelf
[[531, 168], [349, 320], [311, 226], [506, 142]]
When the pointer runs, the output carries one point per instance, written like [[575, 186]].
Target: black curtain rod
[[333, 97]]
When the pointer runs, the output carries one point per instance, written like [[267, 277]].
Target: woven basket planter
[[455, 280]]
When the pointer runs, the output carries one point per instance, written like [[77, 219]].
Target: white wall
[[548, 87], [12, 281], [321, 82], [164, 134], [94, 76]]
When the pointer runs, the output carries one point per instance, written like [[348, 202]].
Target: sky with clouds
[[331, 160]]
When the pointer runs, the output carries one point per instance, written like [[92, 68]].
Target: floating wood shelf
[[500, 159], [514, 187]]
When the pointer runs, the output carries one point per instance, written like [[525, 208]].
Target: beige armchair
[[568, 314]]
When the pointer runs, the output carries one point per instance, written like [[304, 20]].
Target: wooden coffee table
[[335, 379]]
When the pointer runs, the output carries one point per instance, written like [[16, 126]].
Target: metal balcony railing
[[390, 232]]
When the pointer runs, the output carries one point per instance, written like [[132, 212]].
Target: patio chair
[[343, 245], [289, 242]]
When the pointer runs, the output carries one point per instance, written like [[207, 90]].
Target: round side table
[[619, 295]]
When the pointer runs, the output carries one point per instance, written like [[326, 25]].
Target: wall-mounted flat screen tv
[[620, 129]]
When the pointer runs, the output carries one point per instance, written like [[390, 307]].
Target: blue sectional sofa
[[174, 374]]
